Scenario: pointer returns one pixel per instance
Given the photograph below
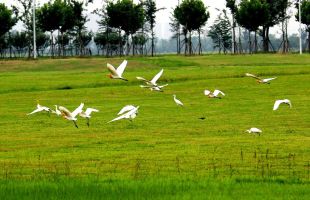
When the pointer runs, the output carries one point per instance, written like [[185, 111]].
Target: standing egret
[[87, 113], [117, 73], [278, 102], [129, 113], [254, 130], [260, 80], [177, 101], [71, 116]]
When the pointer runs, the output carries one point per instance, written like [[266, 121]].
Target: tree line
[[128, 28]]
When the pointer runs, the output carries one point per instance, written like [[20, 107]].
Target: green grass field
[[167, 151]]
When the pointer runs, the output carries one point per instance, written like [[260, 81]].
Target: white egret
[[254, 130], [154, 80], [177, 101], [157, 88], [129, 114], [71, 116], [214, 94], [278, 102], [40, 109], [56, 111], [87, 113], [117, 73], [260, 80]]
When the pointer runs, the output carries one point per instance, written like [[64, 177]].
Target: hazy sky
[[163, 16]]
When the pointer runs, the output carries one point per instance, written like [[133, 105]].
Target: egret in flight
[[278, 102], [177, 101], [117, 73], [154, 80], [260, 80], [157, 88], [214, 94], [56, 111], [87, 113], [40, 109], [71, 116], [128, 112]]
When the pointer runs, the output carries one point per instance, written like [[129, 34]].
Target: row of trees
[[128, 27]]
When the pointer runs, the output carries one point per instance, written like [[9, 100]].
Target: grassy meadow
[[166, 151]]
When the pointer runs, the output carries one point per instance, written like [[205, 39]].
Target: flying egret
[[40, 109], [87, 113], [117, 73], [157, 88], [177, 101], [260, 80], [56, 111], [129, 114], [71, 116], [278, 102], [254, 130], [154, 80], [214, 94]]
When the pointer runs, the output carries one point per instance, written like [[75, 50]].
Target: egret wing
[[269, 79], [64, 111], [35, 111], [252, 75], [126, 109], [118, 118], [121, 68], [112, 69], [157, 76], [90, 110], [277, 104], [141, 78], [77, 110], [217, 92], [207, 92]]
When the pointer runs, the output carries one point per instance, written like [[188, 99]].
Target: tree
[[19, 41], [274, 16], [231, 4], [150, 11], [305, 17], [79, 23], [127, 16], [50, 17], [25, 11], [192, 15], [250, 15], [6, 18], [220, 33]]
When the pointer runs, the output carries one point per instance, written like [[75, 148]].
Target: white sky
[[163, 16]]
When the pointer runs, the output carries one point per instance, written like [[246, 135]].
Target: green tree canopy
[[7, 21]]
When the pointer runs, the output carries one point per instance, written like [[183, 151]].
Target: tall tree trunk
[[199, 43], [266, 38], [309, 40], [52, 45], [240, 42], [120, 42], [250, 43], [133, 45], [234, 35], [255, 41], [152, 35], [190, 43]]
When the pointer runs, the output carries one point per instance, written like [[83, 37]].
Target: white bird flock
[[130, 112]]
